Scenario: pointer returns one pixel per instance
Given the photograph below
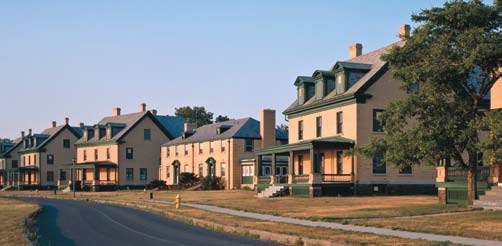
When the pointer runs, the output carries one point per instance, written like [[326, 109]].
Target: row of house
[[335, 110]]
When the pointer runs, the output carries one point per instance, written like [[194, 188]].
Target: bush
[[212, 183], [161, 184], [188, 180]]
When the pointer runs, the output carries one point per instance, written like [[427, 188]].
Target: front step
[[492, 199], [272, 191]]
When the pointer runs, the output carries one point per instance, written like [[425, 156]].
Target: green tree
[[454, 55], [195, 114], [283, 127], [221, 118]]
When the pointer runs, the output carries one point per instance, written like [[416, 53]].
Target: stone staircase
[[492, 198], [273, 191]]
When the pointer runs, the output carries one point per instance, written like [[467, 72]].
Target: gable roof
[[240, 128], [370, 61], [172, 126], [16, 143], [50, 133]]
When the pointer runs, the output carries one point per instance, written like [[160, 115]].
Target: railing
[[458, 173], [301, 179], [263, 179], [336, 178]]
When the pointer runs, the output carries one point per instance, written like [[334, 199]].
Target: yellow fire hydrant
[[178, 201]]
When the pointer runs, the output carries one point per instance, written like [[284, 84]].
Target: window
[[405, 169], [29, 160], [108, 153], [176, 150], [185, 147], [147, 135], [223, 166], [129, 174], [62, 175], [211, 147], [185, 168], [85, 155], [249, 147], [340, 84], [96, 154], [50, 176], [379, 166], [339, 162], [66, 143], [168, 152], [34, 160], [247, 171], [318, 121], [201, 148], [24, 160], [300, 164], [50, 159], [223, 145], [300, 130], [129, 153], [14, 164], [143, 174], [339, 122], [168, 173], [378, 122], [201, 170], [107, 174]]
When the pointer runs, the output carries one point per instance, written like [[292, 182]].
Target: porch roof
[[92, 164], [28, 168], [332, 142]]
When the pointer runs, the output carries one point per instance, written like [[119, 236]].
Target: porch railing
[[263, 179], [281, 179], [301, 179], [459, 174], [336, 178]]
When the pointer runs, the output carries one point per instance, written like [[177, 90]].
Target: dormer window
[[223, 128], [319, 88], [340, 83]]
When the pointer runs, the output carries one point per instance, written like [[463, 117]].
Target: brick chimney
[[355, 50], [116, 111], [81, 124], [29, 132], [153, 111], [53, 124], [189, 127], [142, 107], [67, 121], [22, 134], [404, 32], [267, 127]]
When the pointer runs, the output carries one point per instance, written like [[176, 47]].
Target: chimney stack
[[29, 132], [22, 134], [355, 50], [142, 107], [153, 111], [404, 32], [67, 121], [82, 124], [53, 124], [189, 127], [267, 127], [116, 111]]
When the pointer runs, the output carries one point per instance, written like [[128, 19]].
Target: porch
[[96, 176], [29, 177], [312, 167]]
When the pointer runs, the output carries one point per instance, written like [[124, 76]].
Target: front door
[[176, 176]]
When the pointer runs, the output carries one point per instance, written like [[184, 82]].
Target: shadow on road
[[49, 230]]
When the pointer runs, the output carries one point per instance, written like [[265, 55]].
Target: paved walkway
[[331, 225]]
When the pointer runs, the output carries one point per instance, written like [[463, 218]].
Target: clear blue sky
[[81, 59]]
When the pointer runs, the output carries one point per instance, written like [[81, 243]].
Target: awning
[[333, 143]]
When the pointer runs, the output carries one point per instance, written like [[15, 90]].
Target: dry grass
[[482, 224], [12, 215]]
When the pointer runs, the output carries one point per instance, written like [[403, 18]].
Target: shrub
[[188, 180], [212, 183], [161, 184]]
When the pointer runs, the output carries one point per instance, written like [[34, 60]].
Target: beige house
[[122, 151], [9, 161], [336, 110], [45, 156], [218, 149]]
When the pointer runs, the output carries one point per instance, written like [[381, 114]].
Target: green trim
[[338, 101], [89, 144], [341, 142], [247, 179]]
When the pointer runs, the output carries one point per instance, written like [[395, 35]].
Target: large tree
[[454, 55], [221, 118], [195, 114]]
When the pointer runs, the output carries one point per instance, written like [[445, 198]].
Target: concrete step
[[272, 191]]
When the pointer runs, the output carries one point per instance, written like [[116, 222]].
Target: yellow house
[[9, 161], [122, 151], [218, 149], [44, 157], [336, 110]]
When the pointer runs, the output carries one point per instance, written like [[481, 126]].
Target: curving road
[[66, 222]]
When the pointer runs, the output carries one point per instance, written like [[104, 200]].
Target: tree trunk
[[471, 184]]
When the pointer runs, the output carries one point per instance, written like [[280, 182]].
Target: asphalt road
[[66, 222]]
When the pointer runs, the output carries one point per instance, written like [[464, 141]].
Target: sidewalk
[[331, 225]]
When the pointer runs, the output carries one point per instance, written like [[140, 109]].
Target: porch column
[[272, 171], [312, 160], [257, 167], [291, 166]]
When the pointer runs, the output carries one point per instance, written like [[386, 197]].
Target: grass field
[[12, 215]]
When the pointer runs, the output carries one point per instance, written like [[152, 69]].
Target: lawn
[[12, 215]]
